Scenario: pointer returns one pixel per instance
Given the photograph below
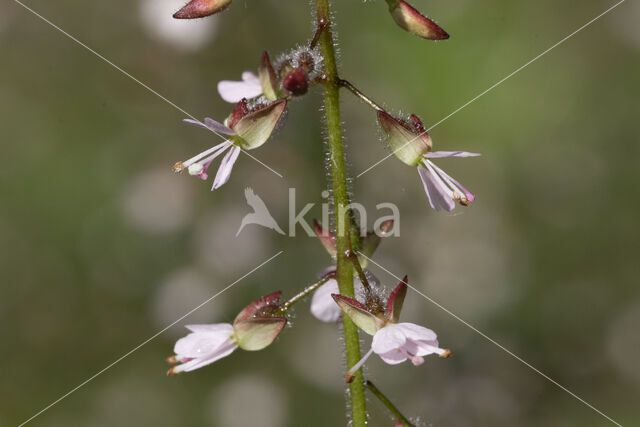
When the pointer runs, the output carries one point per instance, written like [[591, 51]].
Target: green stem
[[395, 411], [344, 272]]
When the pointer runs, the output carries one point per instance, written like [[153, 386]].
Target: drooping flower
[[203, 346], [411, 143], [247, 128], [442, 190], [394, 342], [256, 327]]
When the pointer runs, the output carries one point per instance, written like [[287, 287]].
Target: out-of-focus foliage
[[103, 246]]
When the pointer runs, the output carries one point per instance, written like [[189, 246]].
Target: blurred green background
[[103, 246]]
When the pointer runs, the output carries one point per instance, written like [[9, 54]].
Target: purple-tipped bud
[[296, 82], [268, 78], [409, 19], [408, 141], [201, 8], [327, 238]]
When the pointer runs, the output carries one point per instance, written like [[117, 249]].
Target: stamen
[[351, 373]]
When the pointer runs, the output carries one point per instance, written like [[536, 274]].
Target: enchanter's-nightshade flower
[[247, 128], [411, 143], [409, 19], [394, 342], [256, 327], [201, 8]]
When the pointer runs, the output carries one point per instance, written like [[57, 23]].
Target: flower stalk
[[386, 402], [284, 307], [344, 271]]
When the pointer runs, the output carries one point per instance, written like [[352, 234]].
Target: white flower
[[199, 164], [247, 128], [203, 346], [442, 190], [397, 342], [234, 91]]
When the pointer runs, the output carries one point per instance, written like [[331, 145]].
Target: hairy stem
[[373, 389], [303, 293], [344, 272]]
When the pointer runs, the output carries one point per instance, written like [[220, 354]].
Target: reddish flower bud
[[296, 82], [409, 19], [201, 8]]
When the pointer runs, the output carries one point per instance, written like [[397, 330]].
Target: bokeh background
[[103, 246]]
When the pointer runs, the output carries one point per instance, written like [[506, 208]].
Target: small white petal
[[201, 344], [217, 126], [234, 91], [226, 166], [323, 306], [393, 357], [221, 352], [416, 332], [438, 193], [388, 338], [443, 154]]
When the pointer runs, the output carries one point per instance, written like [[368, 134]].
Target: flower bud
[[268, 78], [327, 238], [255, 127], [372, 240], [409, 19], [201, 8], [408, 141], [257, 326], [296, 82]]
